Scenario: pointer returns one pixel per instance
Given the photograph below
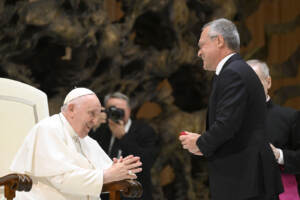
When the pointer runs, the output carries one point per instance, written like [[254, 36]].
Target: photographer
[[122, 136]]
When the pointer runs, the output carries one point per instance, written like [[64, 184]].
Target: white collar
[[222, 62], [112, 139], [127, 125], [68, 126]]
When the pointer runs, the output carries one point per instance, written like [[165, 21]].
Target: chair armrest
[[15, 182], [22, 182], [129, 188]]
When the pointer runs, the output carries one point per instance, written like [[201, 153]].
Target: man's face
[[119, 103], [265, 81], [84, 114], [208, 50]]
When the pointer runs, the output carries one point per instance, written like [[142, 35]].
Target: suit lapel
[[230, 60], [213, 97]]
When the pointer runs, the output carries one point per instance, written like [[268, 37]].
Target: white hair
[[227, 29], [75, 101], [263, 67]]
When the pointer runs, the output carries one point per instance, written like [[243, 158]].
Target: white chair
[[21, 106]]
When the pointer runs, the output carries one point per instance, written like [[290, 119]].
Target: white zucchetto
[[77, 92]]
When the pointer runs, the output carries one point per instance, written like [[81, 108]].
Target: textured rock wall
[[147, 50]]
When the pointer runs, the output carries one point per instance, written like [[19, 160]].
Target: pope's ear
[[70, 110], [70, 107]]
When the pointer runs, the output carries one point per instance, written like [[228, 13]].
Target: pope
[[63, 161]]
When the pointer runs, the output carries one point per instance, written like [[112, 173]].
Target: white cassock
[[60, 168]]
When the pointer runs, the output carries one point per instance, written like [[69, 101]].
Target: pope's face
[[208, 50], [85, 114]]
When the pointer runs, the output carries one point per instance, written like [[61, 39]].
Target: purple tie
[[290, 187]]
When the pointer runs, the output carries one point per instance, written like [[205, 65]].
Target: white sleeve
[[81, 182], [280, 159]]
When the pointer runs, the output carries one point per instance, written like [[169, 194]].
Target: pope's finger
[[137, 170]]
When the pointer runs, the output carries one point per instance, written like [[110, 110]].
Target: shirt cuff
[[280, 159]]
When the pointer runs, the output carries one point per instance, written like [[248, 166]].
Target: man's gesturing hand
[[188, 141]]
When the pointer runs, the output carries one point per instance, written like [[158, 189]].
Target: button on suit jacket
[[240, 161]]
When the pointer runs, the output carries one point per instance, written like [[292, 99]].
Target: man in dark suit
[[283, 131], [240, 161], [128, 137]]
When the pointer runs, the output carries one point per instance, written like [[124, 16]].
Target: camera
[[114, 113]]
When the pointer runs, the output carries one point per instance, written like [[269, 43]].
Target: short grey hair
[[261, 65], [227, 29], [117, 95]]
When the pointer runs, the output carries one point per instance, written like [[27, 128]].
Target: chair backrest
[[21, 106]]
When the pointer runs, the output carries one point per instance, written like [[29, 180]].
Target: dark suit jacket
[[140, 140], [240, 160], [284, 132]]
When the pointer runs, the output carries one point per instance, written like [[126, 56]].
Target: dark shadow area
[[190, 87], [153, 29]]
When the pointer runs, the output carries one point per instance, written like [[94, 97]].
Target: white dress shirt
[[113, 138], [221, 63]]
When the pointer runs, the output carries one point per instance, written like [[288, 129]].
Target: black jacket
[[240, 161], [283, 131]]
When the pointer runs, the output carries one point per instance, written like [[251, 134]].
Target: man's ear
[[220, 41]]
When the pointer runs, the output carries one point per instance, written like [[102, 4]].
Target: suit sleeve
[[291, 155], [231, 95], [141, 142]]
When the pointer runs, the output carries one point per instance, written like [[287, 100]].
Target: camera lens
[[115, 114]]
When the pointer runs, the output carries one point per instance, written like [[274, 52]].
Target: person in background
[[283, 131], [123, 136], [241, 163], [63, 161]]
